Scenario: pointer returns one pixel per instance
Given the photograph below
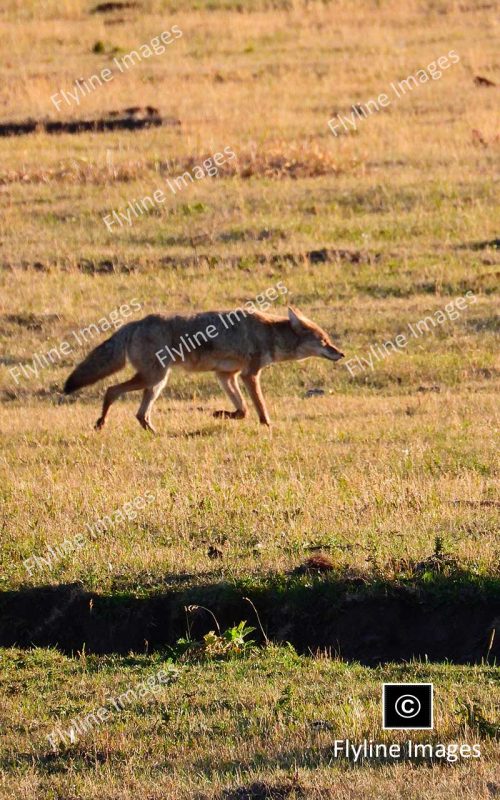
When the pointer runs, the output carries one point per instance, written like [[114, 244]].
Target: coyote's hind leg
[[114, 392], [148, 398]]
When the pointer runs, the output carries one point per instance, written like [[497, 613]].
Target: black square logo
[[407, 706]]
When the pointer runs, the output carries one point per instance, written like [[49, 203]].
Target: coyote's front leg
[[252, 383]]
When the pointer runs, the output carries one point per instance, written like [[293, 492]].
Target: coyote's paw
[[146, 425], [99, 424]]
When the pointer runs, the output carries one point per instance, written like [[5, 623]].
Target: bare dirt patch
[[132, 119], [32, 322], [248, 262], [322, 256], [264, 791], [107, 8]]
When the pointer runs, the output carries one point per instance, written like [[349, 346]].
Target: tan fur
[[229, 343]]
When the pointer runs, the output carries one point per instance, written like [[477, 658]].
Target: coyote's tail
[[104, 360]]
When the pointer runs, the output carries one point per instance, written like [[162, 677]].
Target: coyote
[[229, 343]]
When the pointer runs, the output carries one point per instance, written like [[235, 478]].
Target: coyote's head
[[313, 340]]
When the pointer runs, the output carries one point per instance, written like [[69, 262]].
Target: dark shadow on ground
[[450, 619]]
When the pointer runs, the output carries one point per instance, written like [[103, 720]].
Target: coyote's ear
[[297, 320]]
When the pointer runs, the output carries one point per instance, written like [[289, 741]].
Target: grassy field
[[390, 473], [267, 720]]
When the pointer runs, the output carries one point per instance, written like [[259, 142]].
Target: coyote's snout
[[231, 344]]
